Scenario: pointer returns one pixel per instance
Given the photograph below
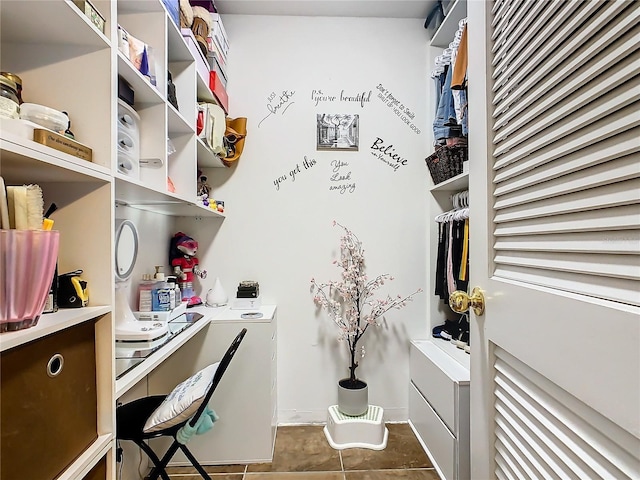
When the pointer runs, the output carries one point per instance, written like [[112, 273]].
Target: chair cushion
[[183, 401]]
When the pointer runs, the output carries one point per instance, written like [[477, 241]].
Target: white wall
[[282, 237]]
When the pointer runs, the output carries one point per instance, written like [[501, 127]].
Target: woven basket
[[446, 162]]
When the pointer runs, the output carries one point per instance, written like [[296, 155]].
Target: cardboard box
[[220, 33], [215, 66], [216, 86], [92, 13], [213, 49]]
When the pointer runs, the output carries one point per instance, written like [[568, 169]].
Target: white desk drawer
[[435, 435], [437, 376]]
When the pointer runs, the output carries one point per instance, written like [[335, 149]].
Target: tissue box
[[246, 303]]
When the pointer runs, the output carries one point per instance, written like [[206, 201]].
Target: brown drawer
[[47, 419]]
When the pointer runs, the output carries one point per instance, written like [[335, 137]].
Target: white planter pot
[[353, 398]]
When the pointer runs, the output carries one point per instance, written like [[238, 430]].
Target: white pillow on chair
[[183, 401]]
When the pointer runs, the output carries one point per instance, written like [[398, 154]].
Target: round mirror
[[126, 249]]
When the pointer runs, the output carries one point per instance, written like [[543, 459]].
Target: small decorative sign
[[62, 143]]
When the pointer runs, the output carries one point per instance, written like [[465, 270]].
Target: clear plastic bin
[[44, 116], [27, 264]]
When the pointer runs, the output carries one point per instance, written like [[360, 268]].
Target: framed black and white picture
[[337, 131]]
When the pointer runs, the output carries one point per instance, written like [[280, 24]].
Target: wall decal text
[[387, 154], [318, 96], [278, 103], [307, 163], [403, 112], [340, 178]]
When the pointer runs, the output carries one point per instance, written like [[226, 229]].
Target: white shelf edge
[[203, 92], [184, 127], [461, 357], [206, 157], [50, 323], [86, 19], [88, 459], [128, 380], [459, 182], [132, 193], [22, 25], [447, 29], [146, 94], [36, 151]]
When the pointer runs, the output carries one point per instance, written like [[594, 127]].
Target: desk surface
[[133, 364]]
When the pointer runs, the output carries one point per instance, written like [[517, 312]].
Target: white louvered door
[[554, 115]]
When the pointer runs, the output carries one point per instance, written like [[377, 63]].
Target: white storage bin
[[128, 119], [128, 140]]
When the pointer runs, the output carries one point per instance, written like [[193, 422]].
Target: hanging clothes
[[459, 75], [453, 249], [464, 264]]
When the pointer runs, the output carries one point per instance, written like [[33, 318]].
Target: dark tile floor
[[303, 453]]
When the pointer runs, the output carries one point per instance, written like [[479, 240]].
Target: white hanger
[[460, 211]]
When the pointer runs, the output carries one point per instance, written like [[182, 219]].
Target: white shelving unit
[[440, 372], [66, 63], [440, 194], [447, 29]]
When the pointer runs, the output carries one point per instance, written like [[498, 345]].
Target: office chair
[[132, 418]]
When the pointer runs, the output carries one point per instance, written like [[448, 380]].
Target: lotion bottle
[[145, 293]]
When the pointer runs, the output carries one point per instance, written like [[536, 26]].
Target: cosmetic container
[[145, 288]]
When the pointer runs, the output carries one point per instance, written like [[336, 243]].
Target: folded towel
[[204, 424]]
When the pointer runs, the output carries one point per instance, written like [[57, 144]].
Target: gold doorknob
[[460, 302]]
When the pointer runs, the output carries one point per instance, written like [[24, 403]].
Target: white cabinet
[[439, 408], [246, 398], [66, 63]]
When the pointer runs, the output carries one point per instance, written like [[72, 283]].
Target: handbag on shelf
[[234, 138]]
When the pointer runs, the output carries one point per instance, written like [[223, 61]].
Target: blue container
[[173, 8], [161, 299]]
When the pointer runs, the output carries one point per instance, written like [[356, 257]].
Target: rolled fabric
[[203, 425]]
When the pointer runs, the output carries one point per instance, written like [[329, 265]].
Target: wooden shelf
[[88, 459], [50, 323]]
